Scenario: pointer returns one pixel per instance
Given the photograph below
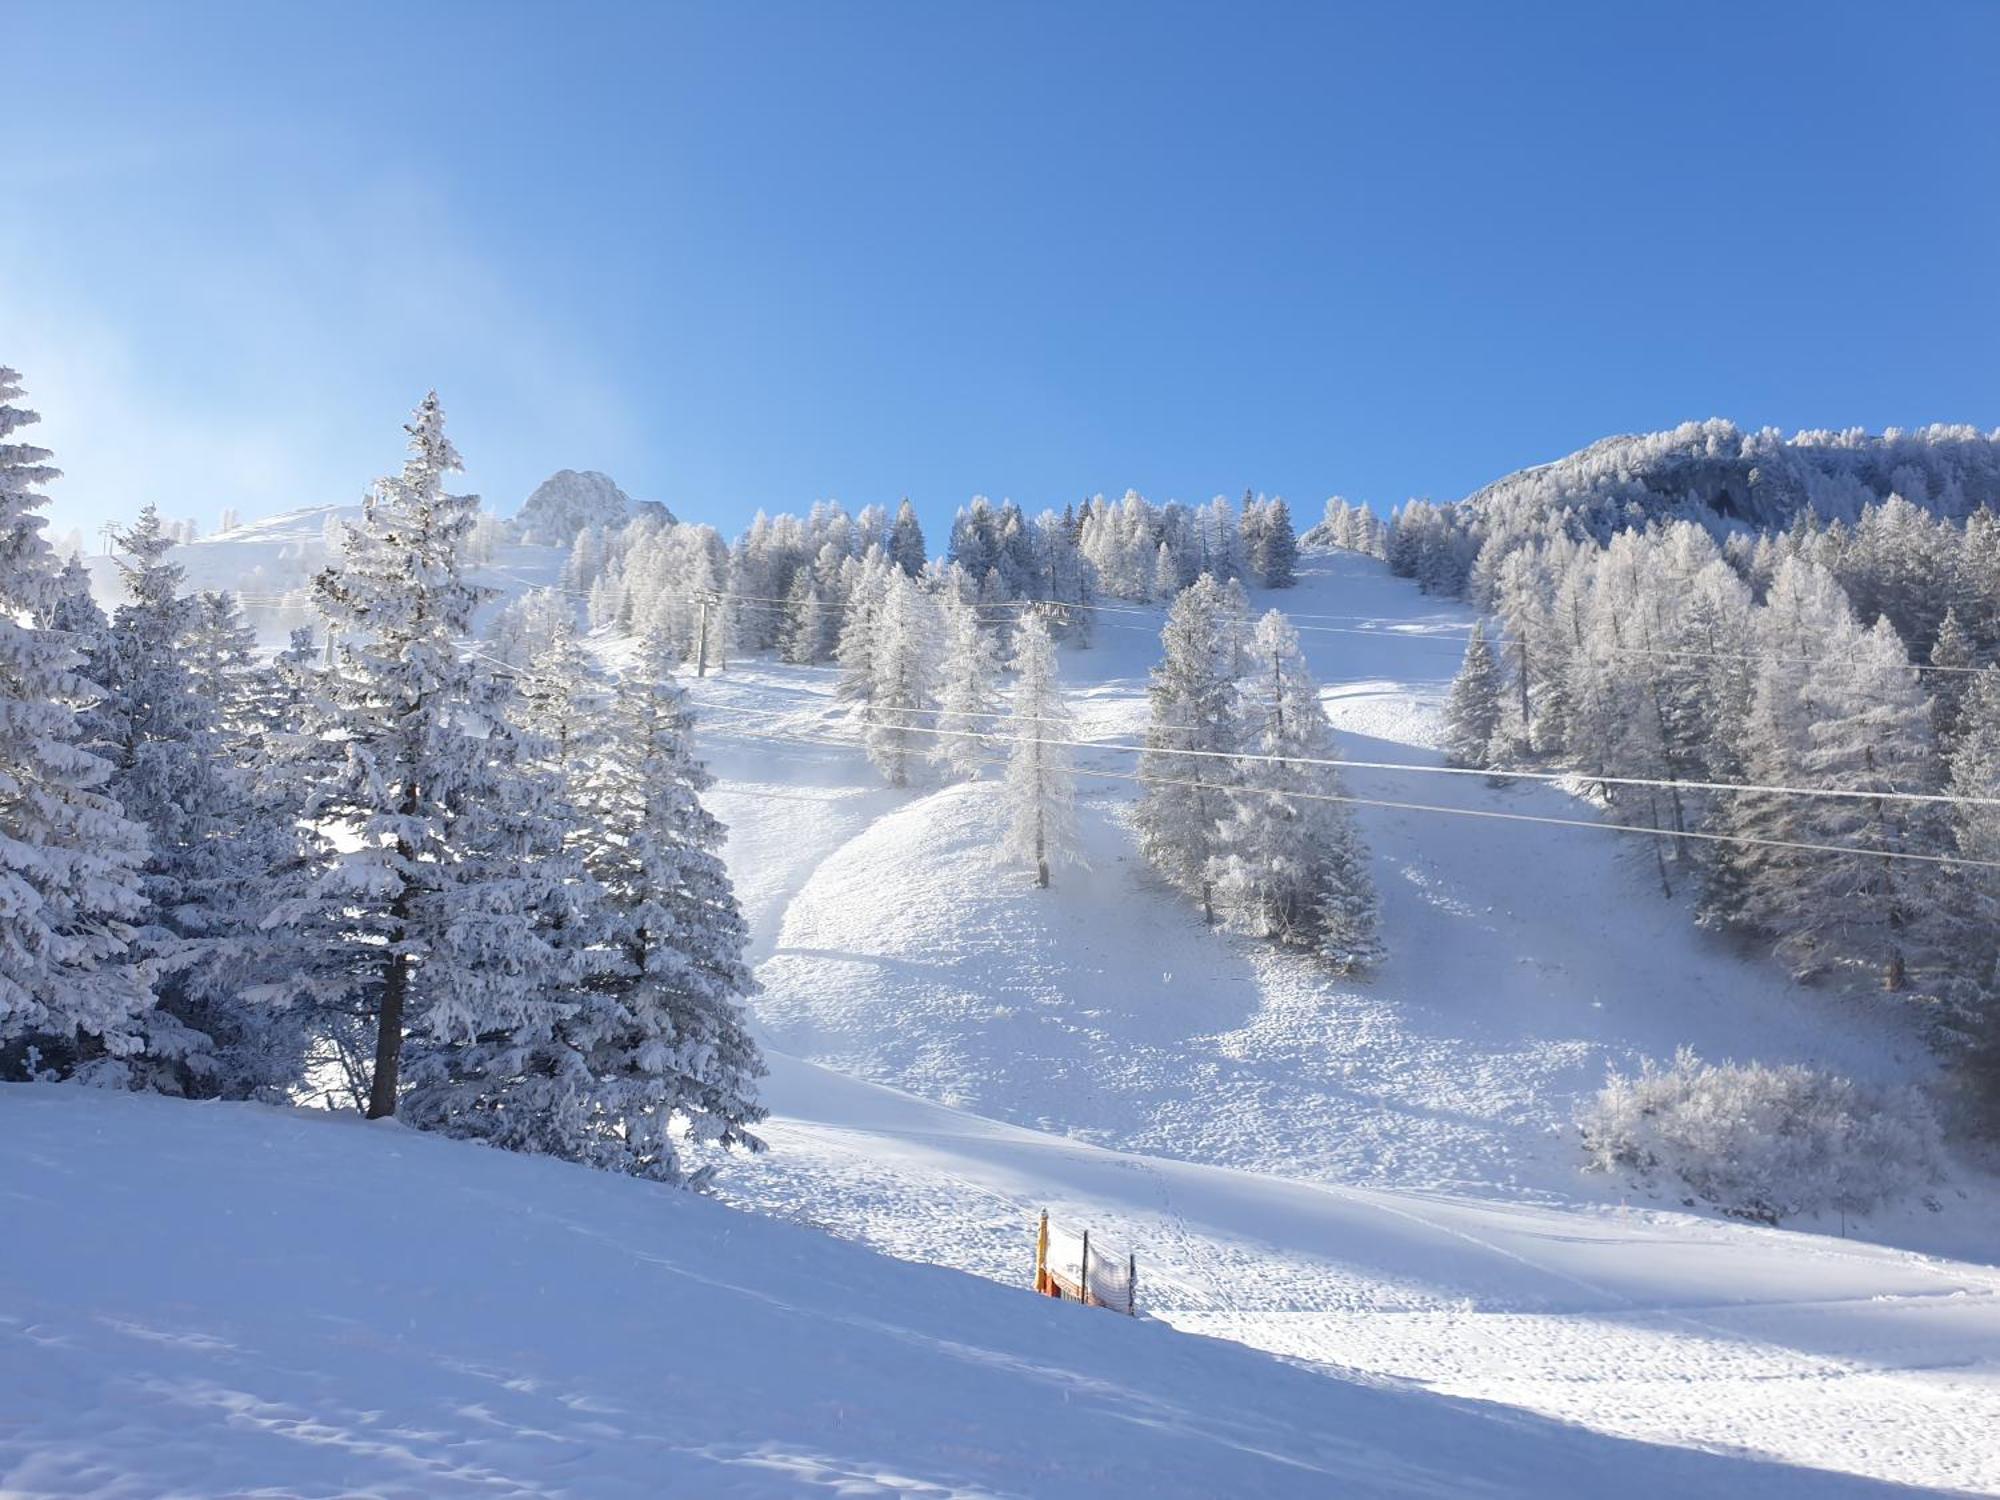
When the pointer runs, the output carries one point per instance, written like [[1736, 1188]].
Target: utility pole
[[110, 534]]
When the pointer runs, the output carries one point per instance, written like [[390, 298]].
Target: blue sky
[[754, 255]]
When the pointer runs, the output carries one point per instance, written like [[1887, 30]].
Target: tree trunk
[[389, 1038], [389, 1023]]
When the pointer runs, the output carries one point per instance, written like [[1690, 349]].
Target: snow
[[1377, 1181], [250, 1300], [1378, 1176]]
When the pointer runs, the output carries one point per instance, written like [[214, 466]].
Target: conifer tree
[[1192, 730], [1472, 712], [906, 541], [71, 995], [421, 921], [662, 1029], [172, 771], [903, 698], [1286, 850], [968, 692], [1041, 779], [1950, 660]]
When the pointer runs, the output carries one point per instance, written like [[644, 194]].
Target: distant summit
[[569, 500]]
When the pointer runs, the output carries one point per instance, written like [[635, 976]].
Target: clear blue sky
[[755, 254]]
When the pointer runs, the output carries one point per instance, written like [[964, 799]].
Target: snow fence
[[1072, 1265]]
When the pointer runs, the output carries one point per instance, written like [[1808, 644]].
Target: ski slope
[[1375, 1180], [1376, 1176], [208, 1300]]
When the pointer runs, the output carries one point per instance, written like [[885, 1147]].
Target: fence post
[[1132, 1284], [1042, 1255], [1083, 1274]]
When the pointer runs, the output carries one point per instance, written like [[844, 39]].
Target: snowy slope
[[267, 562], [211, 1300], [1524, 960]]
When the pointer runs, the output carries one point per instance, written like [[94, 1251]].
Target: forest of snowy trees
[[1695, 686], [480, 896]]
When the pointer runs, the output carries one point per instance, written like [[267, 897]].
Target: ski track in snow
[[1376, 1177]]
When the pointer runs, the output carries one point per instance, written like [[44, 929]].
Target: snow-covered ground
[[1376, 1180], [209, 1300], [1380, 1176]]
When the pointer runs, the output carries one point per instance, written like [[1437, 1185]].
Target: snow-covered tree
[[662, 1029], [1472, 712], [906, 541], [420, 919], [1272, 546], [188, 778], [968, 691], [1951, 660], [1287, 856], [71, 995], [1191, 733], [903, 697], [1041, 779], [1839, 707]]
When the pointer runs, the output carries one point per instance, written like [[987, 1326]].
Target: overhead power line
[[1251, 757], [1495, 815]]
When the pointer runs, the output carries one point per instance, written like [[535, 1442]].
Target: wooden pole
[[1042, 1255], [1083, 1273], [1132, 1285], [701, 641]]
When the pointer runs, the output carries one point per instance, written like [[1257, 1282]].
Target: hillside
[[1714, 471], [254, 1300], [1377, 1179], [1432, 1223]]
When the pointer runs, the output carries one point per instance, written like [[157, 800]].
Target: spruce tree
[[191, 780], [1041, 779], [71, 994], [421, 920], [1472, 712], [662, 1028]]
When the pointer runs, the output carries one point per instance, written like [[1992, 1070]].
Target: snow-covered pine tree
[[1192, 730], [1285, 849], [1472, 712], [662, 1030], [406, 756], [968, 692], [222, 668], [805, 620], [906, 541], [71, 995], [72, 609], [1949, 676], [903, 700], [1870, 731], [1840, 707], [1970, 905], [174, 770], [1350, 916], [1041, 780], [503, 974], [867, 589], [1275, 547]]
